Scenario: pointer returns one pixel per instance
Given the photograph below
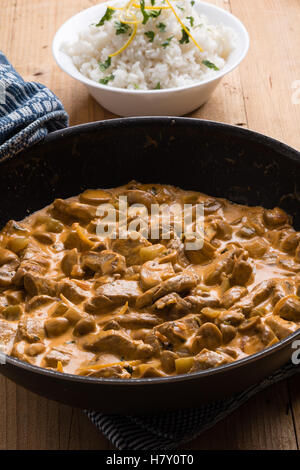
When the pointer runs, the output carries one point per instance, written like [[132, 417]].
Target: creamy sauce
[[86, 304]]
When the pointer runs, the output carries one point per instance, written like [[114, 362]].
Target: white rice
[[146, 65]]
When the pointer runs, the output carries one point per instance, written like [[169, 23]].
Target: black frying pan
[[217, 159]]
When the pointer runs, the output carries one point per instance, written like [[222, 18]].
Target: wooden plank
[[6, 32], [227, 102], [272, 66], [28, 421], [265, 422], [294, 391]]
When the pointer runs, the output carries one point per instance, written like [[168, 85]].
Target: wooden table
[[262, 95]]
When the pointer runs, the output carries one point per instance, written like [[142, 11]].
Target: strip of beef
[[201, 300], [32, 261], [149, 371], [167, 359], [31, 329], [222, 264], [72, 291], [76, 210], [241, 273], [281, 327], [172, 305], [19, 351], [257, 296], [175, 245], [257, 335], [288, 308], [105, 262], [171, 333], [116, 371], [182, 283], [117, 342], [207, 252], [231, 296], [61, 354], [70, 264], [112, 295], [134, 320], [39, 301], [282, 288], [256, 248], [39, 285], [9, 262], [78, 237], [210, 359], [130, 248]]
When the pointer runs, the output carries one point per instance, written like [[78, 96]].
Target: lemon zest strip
[[115, 8], [152, 8], [184, 27], [126, 44], [136, 21]]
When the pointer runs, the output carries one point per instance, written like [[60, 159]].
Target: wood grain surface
[[261, 95]]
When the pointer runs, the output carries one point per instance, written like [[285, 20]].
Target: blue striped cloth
[[167, 431], [28, 111]]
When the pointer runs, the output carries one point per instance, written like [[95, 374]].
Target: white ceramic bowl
[[168, 102]]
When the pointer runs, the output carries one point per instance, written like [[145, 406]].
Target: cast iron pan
[[217, 159]]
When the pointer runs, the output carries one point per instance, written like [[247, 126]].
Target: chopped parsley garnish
[[192, 3], [157, 87], [149, 14], [150, 35], [106, 17], [107, 79], [144, 13], [161, 27], [191, 19], [185, 37], [152, 2], [210, 65], [180, 8], [154, 13], [166, 43], [104, 65], [122, 28]]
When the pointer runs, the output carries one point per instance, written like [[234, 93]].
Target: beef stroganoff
[[77, 302]]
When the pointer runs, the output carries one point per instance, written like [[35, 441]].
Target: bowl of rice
[[151, 57]]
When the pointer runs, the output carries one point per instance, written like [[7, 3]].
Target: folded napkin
[[166, 431], [28, 111]]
